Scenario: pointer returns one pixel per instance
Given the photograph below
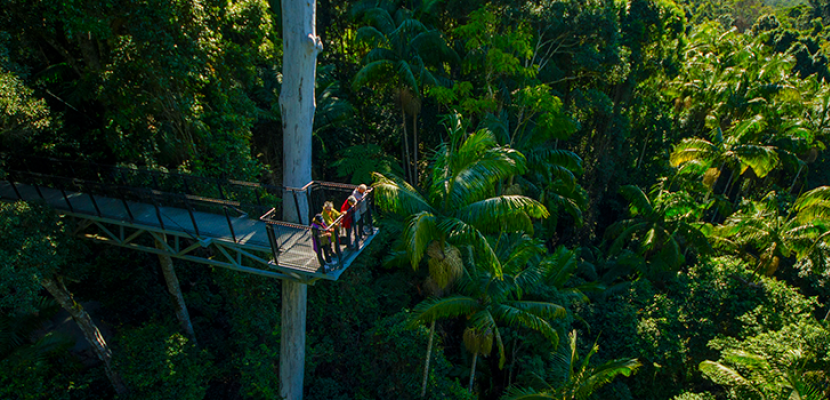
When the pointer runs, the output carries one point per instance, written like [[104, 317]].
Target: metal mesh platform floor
[[294, 244]]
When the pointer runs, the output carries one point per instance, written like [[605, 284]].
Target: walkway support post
[[300, 48]]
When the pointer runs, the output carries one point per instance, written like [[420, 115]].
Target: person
[[330, 215], [364, 212], [321, 239], [348, 210]]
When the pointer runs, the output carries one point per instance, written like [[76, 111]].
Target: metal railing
[[123, 193], [133, 187], [316, 194]]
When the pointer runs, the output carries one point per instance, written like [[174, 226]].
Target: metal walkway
[[167, 218]]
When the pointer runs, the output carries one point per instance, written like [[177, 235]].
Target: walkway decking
[[296, 256]]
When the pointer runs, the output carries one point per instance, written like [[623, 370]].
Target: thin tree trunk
[[415, 147], [175, 291], [643, 152], [62, 295], [725, 193], [795, 179], [406, 165], [426, 363], [473, 372]]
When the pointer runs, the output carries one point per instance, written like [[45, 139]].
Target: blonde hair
[[328, 204], [362, 187]]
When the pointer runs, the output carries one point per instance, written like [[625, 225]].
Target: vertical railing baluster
[[336, 235], [297, 206], [156, 206], [190, 211], [11, 181], [272, 239], [65, 198], [94, 203], [308, 203], [230, 225]]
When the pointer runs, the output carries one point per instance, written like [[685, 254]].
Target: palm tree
[[755, 376], [658, 229], [402, 49], [759, 226], [551, 171], [491, 303], [575, 378], [461, 204], [762, 232], [732, 150]]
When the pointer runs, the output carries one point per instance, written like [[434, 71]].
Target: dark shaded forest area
[[578, 199]]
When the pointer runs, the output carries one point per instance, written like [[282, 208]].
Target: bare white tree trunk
[[62, 295], [300, 48], [175, 291], [426, 363], [292, 347]]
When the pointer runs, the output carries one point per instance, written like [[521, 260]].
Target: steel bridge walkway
[[217, 232]]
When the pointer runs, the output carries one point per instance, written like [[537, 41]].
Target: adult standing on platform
[[348, 210], [364, 212]]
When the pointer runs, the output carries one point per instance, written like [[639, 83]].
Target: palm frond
[[380, 54], [519, 393], [372, 72], [421, 230], [762, 159], [432, 46], [397, 196], [814, 205], [560, 266], [503, 213], [407, 77], [693, 149], [380, 19], [639, 204], [434, 309], [606, 373], [459, 231], [723, 373], [371, 37]]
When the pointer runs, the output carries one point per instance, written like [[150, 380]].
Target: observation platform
[[223, 223]]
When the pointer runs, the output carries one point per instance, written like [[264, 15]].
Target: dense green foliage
[[578, 199]]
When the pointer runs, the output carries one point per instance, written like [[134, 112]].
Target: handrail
[[133, 188]]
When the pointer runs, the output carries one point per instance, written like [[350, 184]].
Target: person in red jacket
[[348, 210]]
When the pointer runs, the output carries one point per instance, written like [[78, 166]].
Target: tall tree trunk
[[406, 165], [300, 48], [426, 363], [473, 372], [415, 148], [62, 295], [175, 291], [292, 346]]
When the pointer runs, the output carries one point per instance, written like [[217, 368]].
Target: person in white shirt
[[364, 212]]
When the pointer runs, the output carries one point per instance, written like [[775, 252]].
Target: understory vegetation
[[577, 199]]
